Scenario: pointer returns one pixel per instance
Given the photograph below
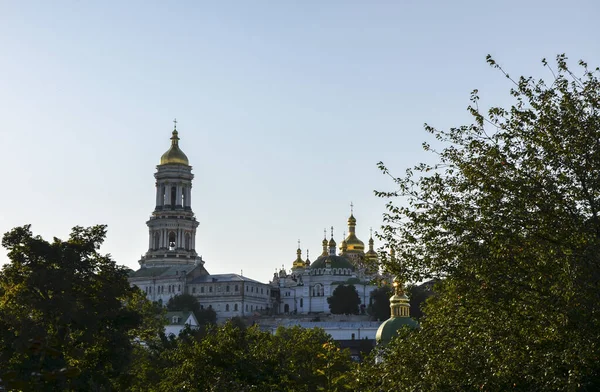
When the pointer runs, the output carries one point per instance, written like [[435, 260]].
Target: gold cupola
[[399, 315], [371, 255], [354, 245], [343, 246], [174, 155], [324, 243], [298, 263]]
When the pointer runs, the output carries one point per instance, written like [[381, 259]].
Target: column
[[167, 194], [188, 198], [178, 201], [150, 241], [193, 244]]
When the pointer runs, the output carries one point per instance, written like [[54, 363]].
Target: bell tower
[[172, 225]]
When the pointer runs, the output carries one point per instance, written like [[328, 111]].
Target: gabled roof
[[182, 317]]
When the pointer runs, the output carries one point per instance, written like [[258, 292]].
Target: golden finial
[[398, 286]]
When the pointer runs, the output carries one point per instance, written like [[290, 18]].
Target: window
[[235, 307], [352, 336], [179, 288], [202, 307], [236, 288], [252, 289], [246, 307], [227, 288], [261, 290], [173, 196], [246, 288], [193, 290], [172, 240], [301, 302], [202, 289], [187, 242], [210, 289], [227, 308], [175, 319]]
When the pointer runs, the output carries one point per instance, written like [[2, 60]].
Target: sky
[[284, 109]]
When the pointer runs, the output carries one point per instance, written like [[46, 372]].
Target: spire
[[298, 263], [344, 245], [332, 244], [371, 255], [324, 243], [354, 245], [175, 138]]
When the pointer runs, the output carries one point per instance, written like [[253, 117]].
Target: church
[[171, 265], [306, 288]]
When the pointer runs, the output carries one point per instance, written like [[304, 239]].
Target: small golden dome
[[174, 155]]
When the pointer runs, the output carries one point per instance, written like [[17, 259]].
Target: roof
[[223, 278], [336, 262], [182, 317], [155, 272], [391, 326]]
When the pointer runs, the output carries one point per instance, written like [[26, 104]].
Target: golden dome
[[174, 155]]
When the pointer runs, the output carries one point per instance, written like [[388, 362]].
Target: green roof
[[182, 315], [336, 262], [389, 328]]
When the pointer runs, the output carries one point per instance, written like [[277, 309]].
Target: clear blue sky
[[284, 108]]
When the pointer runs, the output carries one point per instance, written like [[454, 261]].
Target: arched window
[[301, 302], [172, 240], [236, 288], [187, 241], [235, 307], [227, 308], [286, 308], [183, 197]]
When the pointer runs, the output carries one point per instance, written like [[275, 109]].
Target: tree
[[229, 358], [344, 300], [187, 302], [509, 217], [68, 317], [379, 308]]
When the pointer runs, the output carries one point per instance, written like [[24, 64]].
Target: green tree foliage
[[230, 358], [509, 217], [68, 317], [379, 308], [344, 300], [187, 302]]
